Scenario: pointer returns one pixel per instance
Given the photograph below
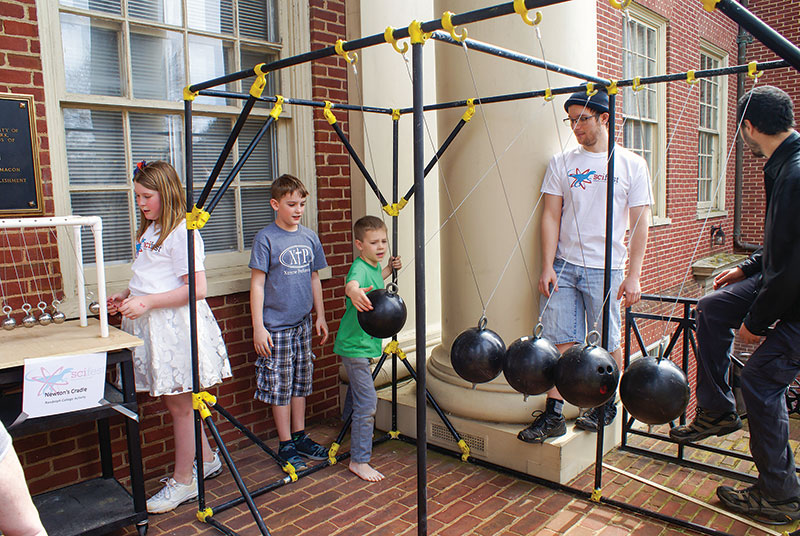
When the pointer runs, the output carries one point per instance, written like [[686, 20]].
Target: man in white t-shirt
[[573, 246]]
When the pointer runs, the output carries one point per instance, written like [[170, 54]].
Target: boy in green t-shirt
[[356, 347]]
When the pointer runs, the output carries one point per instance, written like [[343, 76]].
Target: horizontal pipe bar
[[303, 102], [706, 73], [516, 56], [761, 31], [372, 40]]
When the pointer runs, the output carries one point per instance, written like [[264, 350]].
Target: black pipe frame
[[742, 16], [508, 97]]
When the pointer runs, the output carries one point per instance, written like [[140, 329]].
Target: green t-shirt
[[351, 340]]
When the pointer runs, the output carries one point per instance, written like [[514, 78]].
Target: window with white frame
[[121, 66], [710, 142], [644, 54]]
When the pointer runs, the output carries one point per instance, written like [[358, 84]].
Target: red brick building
[[102, 83]]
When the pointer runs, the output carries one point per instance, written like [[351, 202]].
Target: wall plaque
[[20, 179]]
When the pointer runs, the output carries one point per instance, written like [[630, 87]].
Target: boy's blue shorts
[[289, 370]]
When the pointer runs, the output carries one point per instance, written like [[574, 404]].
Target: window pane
[[259, 164], [94, 136], [166, 11], [256, 213], [91, 56], [112, 207], [209, 135], [249, 59], [209, 58], [106, 6], [256, 19], [211, 15], [157, 64], [157, 137], [220, 233]]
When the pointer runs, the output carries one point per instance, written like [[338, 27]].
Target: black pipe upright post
[[198, 422], [395, 246], [598, 466], [768, 37], [419, 278]]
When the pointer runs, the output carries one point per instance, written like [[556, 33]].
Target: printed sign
[[61, 384]]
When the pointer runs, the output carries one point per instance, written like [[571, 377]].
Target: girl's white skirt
[[163, 364]]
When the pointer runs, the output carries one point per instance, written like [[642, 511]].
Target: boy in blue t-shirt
[[356, 347], [284, 285]]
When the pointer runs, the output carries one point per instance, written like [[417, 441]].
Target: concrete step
[[559, 459]]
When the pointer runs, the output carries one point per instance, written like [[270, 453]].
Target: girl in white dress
[[155, 308]]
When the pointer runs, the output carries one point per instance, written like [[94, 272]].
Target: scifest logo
[[57, 382]]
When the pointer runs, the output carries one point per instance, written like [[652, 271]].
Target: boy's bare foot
[[365, 472]]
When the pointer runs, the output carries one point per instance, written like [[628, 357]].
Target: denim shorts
[[578, 302]]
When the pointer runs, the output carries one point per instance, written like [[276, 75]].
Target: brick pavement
[[462, 498]]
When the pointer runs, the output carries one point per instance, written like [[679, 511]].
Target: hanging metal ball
[[59, 317], [44, 318], [94, 308], [9, 323], [29, 320], [654, 391], [477, 354], [388, 314], [586, 376], [529, 364]]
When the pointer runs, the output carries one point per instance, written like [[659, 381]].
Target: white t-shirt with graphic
[[160, 269], [579, 177]]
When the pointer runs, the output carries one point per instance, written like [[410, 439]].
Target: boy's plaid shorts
[[289, 370]]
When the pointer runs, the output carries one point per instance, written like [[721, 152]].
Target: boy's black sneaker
[[545, 424], [309, 448], [751, 502], [705, 425], [289, 453], [589, 420]]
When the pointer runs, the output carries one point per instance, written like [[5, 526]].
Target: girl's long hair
[[161, 177]]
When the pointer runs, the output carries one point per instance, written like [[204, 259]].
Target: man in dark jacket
[[762, 291]]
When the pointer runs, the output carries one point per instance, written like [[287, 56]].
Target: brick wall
[[329, 82], [781, 16], [58, 457], [21, 74]]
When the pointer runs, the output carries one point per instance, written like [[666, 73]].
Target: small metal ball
[[45, 319], [9, 323], [94, 308], [59, 317], [29, 321]]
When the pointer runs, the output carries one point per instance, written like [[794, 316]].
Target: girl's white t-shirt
[[579, 177], [160, 269]]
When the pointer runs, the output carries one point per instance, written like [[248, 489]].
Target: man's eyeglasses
[[570, 122]]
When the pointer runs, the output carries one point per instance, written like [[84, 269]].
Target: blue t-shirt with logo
[[288, 258]]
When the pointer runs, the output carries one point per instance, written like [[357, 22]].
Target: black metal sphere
[[529, 365], [586, 376], [654, 392], [477, 355], [388, 314]]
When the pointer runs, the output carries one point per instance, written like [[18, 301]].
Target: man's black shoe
[[590, 419], [705, 425], [751, 502], [543, 426]]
